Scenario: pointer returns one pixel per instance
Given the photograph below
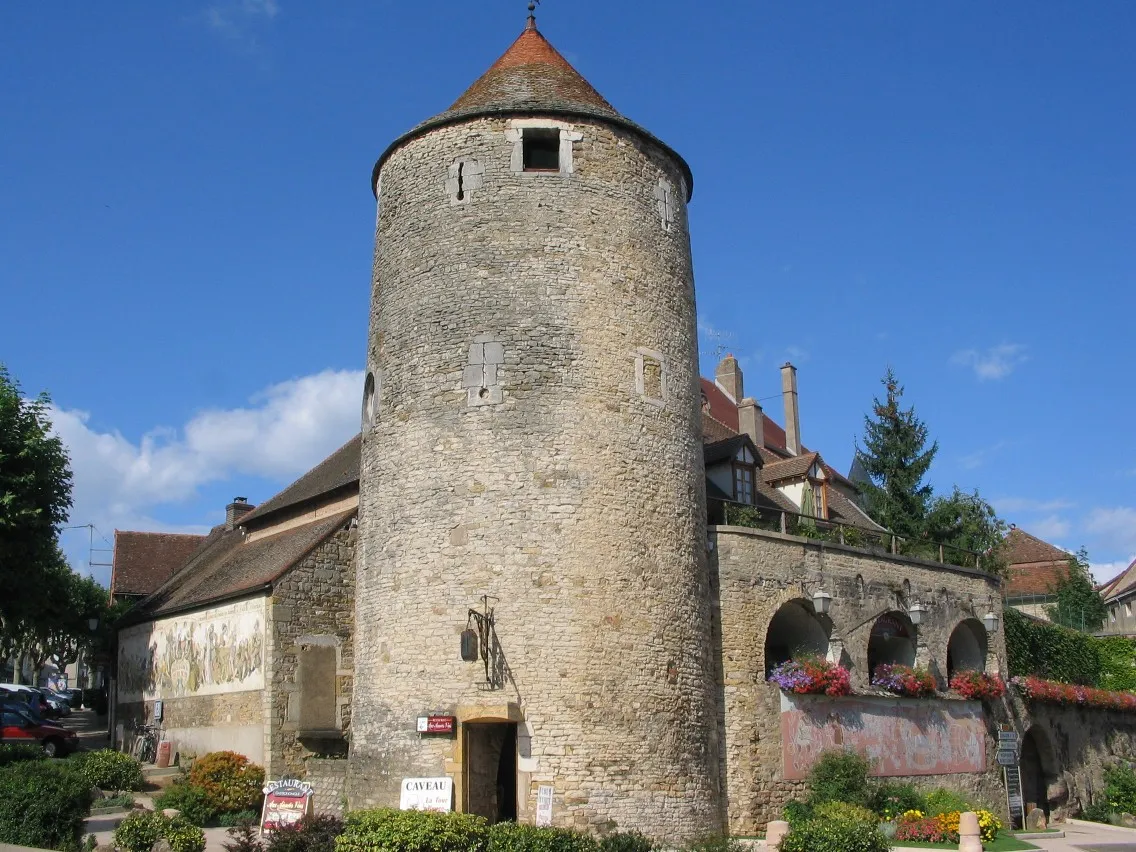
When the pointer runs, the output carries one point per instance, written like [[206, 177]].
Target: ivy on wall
[[1117, 671], [1051, 652]]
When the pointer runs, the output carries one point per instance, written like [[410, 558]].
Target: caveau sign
[[426, 794]]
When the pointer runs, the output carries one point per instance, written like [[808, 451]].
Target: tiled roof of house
[[228, 565], [1122, 584], [531, 78], [1035, 566], [338, 471], [790, 468], [144, 560]]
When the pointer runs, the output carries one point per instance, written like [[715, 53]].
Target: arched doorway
[[967, 648], [892, 641], [1039, 769], [794, 632]]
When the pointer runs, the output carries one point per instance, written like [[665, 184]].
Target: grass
[[1001, 843]]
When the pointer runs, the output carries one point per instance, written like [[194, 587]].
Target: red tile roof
[[1035, 566], [1121, 584], [145, 560]]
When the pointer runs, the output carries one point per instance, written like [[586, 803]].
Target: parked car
[[19, 727], [23, 707], [63, 698], [76, 697], [29, 694]]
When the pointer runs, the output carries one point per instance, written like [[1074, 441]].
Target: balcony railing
[[806, 526]]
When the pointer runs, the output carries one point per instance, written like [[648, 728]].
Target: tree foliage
[[968, 522], [896, 458], [1079, 605], [1050, 651]]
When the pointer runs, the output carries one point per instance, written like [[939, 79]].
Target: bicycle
[[145, 747]]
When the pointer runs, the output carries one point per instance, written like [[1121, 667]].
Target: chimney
[[728, 377], [235, 511], [792, 415], [751, 421]]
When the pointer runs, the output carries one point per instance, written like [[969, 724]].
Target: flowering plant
[[944, 828], [812, 677], [904, 680], [971, 684], [1052, 692]]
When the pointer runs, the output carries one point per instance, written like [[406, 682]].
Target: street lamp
[[916, 612], [990, 621], [93, 623], [822, 602]]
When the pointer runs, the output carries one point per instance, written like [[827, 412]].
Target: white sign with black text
[[427, 794], [544, 805]]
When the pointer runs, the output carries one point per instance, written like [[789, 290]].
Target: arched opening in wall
[[794, 632], [967, 648], [892, 641], [1039, 771]]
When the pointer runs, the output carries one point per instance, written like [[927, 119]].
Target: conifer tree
[[895, 457]]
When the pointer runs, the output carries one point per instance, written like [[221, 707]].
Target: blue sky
[[943, 188]]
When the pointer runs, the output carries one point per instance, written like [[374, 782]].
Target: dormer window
[[541, 150], [745, 476]]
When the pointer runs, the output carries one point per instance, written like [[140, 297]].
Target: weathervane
[[532, 9]]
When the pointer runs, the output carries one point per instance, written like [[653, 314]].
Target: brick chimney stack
[[728, 377], [792, 414], [751, 420], [235, 511]]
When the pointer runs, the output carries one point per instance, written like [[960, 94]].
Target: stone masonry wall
[[755, 574], [313, 605], [537, 440], [203, 723]]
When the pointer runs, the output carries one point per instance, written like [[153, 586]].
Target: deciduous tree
[[1079, 604]]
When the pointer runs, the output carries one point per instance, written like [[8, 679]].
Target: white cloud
[[1104, 571], [980, 456], [1050, 527], [238, 21], [284, 431], [997, 362], [1113, 528], [1028, 504]]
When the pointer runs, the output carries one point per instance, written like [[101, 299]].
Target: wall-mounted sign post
[[435, 725], [427, 794], [286, 802], [544, 805]]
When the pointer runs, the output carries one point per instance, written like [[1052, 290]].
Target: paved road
[[90, 728]]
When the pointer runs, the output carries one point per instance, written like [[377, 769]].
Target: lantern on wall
[[469, 643], [916, 612], [990, 621], [822, 602]]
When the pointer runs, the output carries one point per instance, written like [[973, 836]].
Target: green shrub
[[626, 841], [796, 812], [17, 753], [825, 836], [515, 837], [42, 804], [229, 781], [1097, 812], [716, 843], [1049, 651], [889, 799], [1120, 789], [943, 801], [845, 812], [244, 837], [388, 830], [142, 829], [110, 770], [237, 819], [311, 834], [183, 836], [839, 776], [122, 800], [193, 802]]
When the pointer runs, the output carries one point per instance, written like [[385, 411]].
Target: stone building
[[1119, 595], [248, 646], [576, 562]]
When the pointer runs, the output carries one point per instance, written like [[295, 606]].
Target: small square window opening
[[541, 150]]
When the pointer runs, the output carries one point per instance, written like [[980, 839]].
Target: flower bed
[[1052, 692], [812, 677], [944, 828], [904, 680], [978, 685]]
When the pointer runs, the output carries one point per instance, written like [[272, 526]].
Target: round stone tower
[[532, 564]]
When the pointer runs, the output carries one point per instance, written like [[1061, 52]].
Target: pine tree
[[895, 457]]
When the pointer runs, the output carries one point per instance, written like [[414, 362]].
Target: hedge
[[1047, 651], [42, 804]]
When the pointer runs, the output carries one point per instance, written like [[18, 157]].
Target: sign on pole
[[286, 802], [427, 794], [544, 805]]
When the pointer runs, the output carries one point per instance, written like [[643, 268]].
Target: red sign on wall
[[437, 724], [286, 802]]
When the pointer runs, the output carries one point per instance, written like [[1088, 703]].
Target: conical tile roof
[[530, 78]]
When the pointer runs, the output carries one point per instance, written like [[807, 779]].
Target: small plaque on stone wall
[[544, 805]]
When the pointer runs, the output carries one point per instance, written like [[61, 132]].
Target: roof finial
[[532, 14]]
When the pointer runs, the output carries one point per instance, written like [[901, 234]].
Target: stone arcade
[[544, 556]]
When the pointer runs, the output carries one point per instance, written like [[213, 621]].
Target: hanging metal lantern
[[469, 643]]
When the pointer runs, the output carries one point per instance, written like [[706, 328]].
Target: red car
[[17, 727]]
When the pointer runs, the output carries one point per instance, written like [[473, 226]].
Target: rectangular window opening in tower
[[541, 150]]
